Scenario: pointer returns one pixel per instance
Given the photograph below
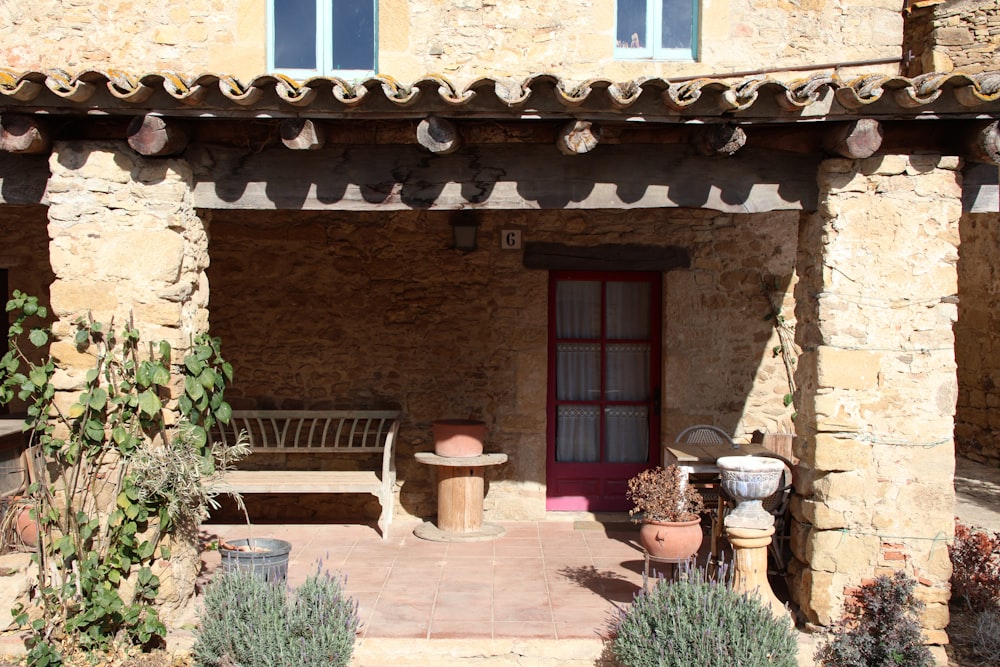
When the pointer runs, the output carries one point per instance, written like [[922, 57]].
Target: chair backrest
[[777, 502], [704, 434]]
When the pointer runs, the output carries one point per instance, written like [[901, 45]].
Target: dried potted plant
[[669, 510]]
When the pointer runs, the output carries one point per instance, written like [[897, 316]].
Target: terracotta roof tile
[[653, 98]]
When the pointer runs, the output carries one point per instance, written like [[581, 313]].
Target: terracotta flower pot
[[458, 437], [26, 527], [673, 540]]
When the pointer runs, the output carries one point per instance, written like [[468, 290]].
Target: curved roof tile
[[540, 93]]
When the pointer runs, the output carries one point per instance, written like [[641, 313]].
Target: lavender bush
[[700, 621], [249, 622]]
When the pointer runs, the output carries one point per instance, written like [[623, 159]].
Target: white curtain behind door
[[578, 371]]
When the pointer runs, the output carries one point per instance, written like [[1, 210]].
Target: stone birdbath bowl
[[749, 480]]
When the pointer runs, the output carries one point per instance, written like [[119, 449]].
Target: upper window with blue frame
[[323, 37], [656, 29]]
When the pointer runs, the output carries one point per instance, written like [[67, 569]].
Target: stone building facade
[[462, 40], [952, 36], [830, 205]]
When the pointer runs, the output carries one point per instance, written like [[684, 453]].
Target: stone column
[[125, 241], [876, 303]]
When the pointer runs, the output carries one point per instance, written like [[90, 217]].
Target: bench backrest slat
[[297, 430]]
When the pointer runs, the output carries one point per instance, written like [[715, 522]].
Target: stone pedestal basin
[[748, 480]]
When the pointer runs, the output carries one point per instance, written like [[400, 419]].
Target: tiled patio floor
[[541, 580]]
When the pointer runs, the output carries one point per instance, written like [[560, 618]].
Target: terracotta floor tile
[[527, 629], [473, 594], [518, 529], [479, 610], [471, 549], [366, 578], [514, 568], [460, 629], [540, 580], [577, 630]]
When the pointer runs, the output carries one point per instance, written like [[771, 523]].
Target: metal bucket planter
[[265, 558]]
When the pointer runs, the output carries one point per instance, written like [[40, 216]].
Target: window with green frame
[[656, 29], [323, 37]]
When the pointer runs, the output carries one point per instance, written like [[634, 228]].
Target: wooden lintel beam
[[578, 137], [723, 139], [302, 134], [20, 133], [983, 143], [855, 140], [155, 136], [438, 135], [627, 257]]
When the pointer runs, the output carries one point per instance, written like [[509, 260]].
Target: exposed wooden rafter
[[723, 139], [855, 140], [156, 136], [302, 134], [20, 133], [983, 143], [578, 137], [438, 135]]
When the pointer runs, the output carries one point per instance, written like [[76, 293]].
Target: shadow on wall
[[353, 309]]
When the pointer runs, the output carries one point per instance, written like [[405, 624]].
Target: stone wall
[[877, 383], [977, 340], [953, 36], [463, 40], [320, 309]]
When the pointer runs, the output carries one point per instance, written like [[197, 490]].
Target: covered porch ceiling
[[746, 145]]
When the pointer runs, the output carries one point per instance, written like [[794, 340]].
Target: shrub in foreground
[[698, 620], [882, 631], [975, 572], [252, 623]]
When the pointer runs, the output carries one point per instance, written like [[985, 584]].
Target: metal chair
[[777, 505], [705, 434], [708, 486]]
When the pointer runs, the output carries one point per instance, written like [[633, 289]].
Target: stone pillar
[[876, 303], [125, 241]]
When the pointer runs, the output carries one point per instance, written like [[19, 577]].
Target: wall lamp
[[464, 231]]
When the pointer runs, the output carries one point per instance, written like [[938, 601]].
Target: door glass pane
[[631, 24], [353, 34], [295, 34], [628, 310], [578, 309], [626, 433], [677, 24], [627, 372], [578, 434], [578, 371]]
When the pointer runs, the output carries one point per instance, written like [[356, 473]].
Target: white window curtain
[[578, 371]]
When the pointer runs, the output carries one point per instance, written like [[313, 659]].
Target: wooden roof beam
[[855, 140], [302, 134], [578, 137], [24, 134], [722, 140], [438, 135], [155, 136], [983, 143]]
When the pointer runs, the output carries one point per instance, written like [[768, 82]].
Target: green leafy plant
[[662, 494], [249, 622], [101, 515], [881, 630], [975, 567], [786, 338], [701, 620]]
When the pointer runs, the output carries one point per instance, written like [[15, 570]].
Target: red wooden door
[[604, 386]]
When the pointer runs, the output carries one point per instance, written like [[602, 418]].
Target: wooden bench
[[294, 432]]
